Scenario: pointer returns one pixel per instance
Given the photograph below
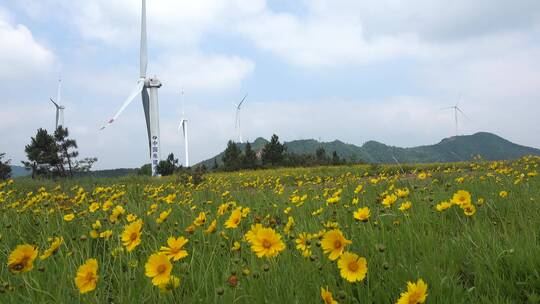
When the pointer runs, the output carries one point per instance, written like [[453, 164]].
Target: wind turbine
[[456, 110], [237, 119], [148, 88], [183, 127], [59, 107]]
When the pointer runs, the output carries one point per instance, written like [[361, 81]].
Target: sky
[[324, 69]]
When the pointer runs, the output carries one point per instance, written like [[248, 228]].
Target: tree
[[42, 154], [145, 169], [321, 156], [249, 159], [85, 164], [5, 168], [231, 157], [273, 152], [215, 166], [168, 166], [66, 149], [336, 160]]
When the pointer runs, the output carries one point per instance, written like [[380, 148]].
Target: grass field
[[481, 249]]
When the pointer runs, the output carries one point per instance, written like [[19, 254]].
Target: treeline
[[273, 154], [5, 168]]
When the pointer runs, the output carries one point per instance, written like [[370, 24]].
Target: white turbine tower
[[59, 107], [148, 88], [183, 126], [237, 119], [456, 110]]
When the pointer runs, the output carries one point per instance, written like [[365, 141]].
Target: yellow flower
[[56, 242], [131, 237], [163, 216], [131, 217], [503, 194], [461, 197], [22, 258], [175, 250], [234, 219], [158, 267], [352, 267], [288, 227], [389, 200], [106, 234], [86, 278], [334, 242], [302, 242], [402, 193], [96, 225], [236, 246], [422, 176], [173, 283], [117, 212], [443, 206], [405, 206], [222, 209], [266, 242], [358, 189], [200, 220], [416, 293], [468, 209], [93, 207], [362, 214], [211, 228], [327, 296], [69, 217]]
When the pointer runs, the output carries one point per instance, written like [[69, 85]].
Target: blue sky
[[341, 69]]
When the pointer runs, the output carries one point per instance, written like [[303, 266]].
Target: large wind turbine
[[456, 110], [183, 127], [148, 88], [59, 107], [237, 119]]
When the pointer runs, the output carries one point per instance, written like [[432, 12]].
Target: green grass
[[490, 257]]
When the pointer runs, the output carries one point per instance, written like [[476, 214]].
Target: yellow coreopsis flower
[[87, 276], [461, 197], [69, 217], [503, 194], [106, 234], [173, 283], [175, 250], [402, 193], [266, 242], [117, 212], [211, 228], [352, 267], [93, 207], [234, 219], [422, 176], [158, 268], [55, 244], [22, 258], [362, 214], [327, 296], [405, 206], [200, 220], [131, 237], [416, 293], [163, 216], [389, 200], [443, 206], [334, 243]]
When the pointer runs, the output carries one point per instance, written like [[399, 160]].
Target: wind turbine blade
[[144, 47], [241, 102], [55, 104], [59, 96], [457, 108], [131, 97], [446, 108]]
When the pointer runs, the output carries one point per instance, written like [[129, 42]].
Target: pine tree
[[249, 160], [66, 149], [231, 157], [5, 168], [168, 166], [336, 160], [42, 154], [273, 152], [321, 156], [216, 166]]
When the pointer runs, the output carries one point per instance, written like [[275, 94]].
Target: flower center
[[266, 244], [133, 236], [161, 268], [337, 244], [353, 266]]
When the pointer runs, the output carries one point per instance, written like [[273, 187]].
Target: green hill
[[453, 149]]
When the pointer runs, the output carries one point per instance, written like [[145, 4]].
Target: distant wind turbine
[[184, 127], [237, 119], [148, 88], [456, 110], [59, 107]]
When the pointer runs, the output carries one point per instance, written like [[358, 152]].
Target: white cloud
[[21, 56]]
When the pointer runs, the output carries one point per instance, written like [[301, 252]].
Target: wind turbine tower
[[237, 120], [184, 128], [148, 88], [59, 107]]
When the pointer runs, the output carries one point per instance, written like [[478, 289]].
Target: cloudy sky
[[324, 69]]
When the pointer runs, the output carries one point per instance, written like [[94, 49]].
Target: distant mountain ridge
[[453, 149]]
